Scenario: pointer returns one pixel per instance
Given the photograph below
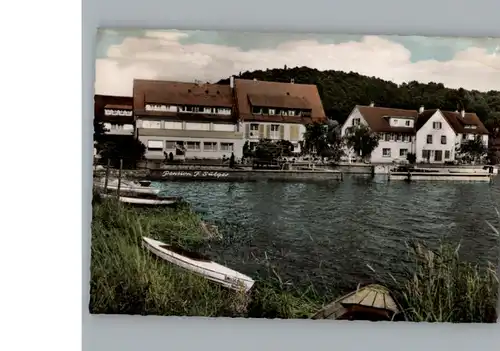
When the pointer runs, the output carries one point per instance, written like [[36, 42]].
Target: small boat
[[139, 187], [200, 265], [370, 303], [145, 201]]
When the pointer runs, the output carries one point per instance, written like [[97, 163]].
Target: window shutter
[[247, 130], [282, 132], [268, 131], [261, 131]]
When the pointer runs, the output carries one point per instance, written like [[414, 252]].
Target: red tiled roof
[[458, 122], [378, 118], [278, 95]]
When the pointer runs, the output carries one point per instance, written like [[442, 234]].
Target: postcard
[[296, 176]]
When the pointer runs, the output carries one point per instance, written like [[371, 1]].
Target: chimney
[[292, 80], [255, 79], [372, 104], [421, 109], [462, 113], [231, 82]]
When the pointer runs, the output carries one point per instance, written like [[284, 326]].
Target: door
[[438, 155]]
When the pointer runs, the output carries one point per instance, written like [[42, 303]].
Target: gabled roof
[[181, 93], [278, 95], [458, 122], [378, 118]]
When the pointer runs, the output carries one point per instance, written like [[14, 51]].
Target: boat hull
[[143, 202], [209, 270], [440, 176]]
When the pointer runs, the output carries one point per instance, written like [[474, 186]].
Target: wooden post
[[106, 176], [119, 178]]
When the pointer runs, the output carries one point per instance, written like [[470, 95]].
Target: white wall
[[355, 114], [427, 129], [254, 135], [395, 148]]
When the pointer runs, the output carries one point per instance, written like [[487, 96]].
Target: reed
[[125, 279]]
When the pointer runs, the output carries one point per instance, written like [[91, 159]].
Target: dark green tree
[[362, 140], [472, 150], [315, 139], [131, 150], [411, 157], [247, 151]]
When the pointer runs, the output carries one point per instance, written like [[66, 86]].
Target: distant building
[[395, 127], [116, 113], [195, 118], [433, 135], [276, 111]]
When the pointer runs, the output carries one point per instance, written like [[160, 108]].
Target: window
[[443, 139], [403, 152], [208, 110], [254, 127], [151, 124], [155, 145], [226, 147], [275, 127], [291, 112], [429, 139], [395, 122], [386, 152], [256, 110], [408, 123], [209, 146], [272, 111], [356, 121], [426, 154], [438, 155], [399, 137], [405, 138], [170, 145], [193, 145], [447, 154], [437, 125], [387, 137]]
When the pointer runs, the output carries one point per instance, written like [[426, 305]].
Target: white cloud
[[160, 55]]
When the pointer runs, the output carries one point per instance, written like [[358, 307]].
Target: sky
[[208, 56]]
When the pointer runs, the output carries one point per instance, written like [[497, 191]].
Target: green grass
[[126, 279]]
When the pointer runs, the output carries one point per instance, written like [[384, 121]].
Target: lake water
[[326, 233]]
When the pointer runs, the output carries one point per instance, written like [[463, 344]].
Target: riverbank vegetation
[[126, 279]]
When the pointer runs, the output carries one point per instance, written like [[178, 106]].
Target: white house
[[275, 110], [395, 127], [198, 119], [433, 135], [435, 138]]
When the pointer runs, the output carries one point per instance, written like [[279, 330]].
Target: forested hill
[[341, 91]]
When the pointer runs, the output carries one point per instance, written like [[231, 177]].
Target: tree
[[131, 150], [473, 150], [315, 138], [247, 151], [231, 160], [362, 140], [411, 157]]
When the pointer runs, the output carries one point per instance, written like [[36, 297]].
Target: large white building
[[275, 110], [432, 135], [198, 119]]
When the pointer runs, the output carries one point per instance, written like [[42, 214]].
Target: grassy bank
[[127, 279]]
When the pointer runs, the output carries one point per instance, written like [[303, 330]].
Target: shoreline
[[162, 289]]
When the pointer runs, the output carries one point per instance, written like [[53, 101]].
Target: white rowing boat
[[200, 265], [144, 201], [141, 187]]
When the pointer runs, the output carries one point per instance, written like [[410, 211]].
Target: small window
[[405, 138], [447, 154], [437, 125], [193, 145], [226, 147], [265, 111], [170, 145], [429, 139], [399, 137], [403, 152], [254, 127], [387, 137], [272, 111], [256, 110], [443, 139], [356, 121], [386, 152], [209, 146], [395, 122], [275, 127], [155, 145], [408, 123], [425, 154]]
